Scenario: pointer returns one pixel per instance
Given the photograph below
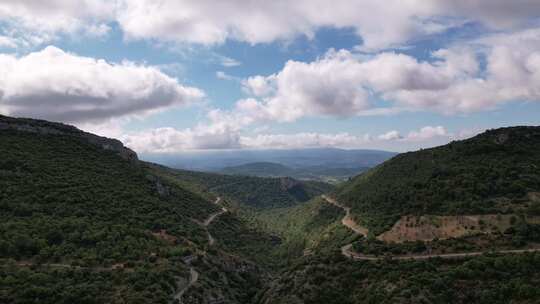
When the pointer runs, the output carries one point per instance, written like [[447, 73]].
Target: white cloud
[[224, 76], [380, 24], [170, 140], [61, 86], [224, 132], [390, 135], [497, 14], [329, 86], [303, 140], [344, 84], [229, 62], [426, 133], [34, 22], [259, 85]]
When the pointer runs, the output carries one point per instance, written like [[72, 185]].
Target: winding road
[[211, 218], [347, 251], [193, 277], [193, 274], [347, 220]]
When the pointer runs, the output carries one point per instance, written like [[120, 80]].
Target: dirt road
[[346, 251], [347, 220], [193, 277], [211, 218]]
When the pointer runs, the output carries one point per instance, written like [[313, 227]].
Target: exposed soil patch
[[429, 227], [163, 235]]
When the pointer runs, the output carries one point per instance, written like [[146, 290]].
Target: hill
[[487, 185], [250, 191], [82, 220], [318, 173], [262, 169], [491, 173]]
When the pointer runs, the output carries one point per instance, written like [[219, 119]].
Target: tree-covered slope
[[494, 172], [333, 279], [323, 173], [262, 169], [83, 221], [251, 191]]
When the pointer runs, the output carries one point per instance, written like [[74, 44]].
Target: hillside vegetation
[[82, 221], [250, 191], [332, 279], [318, 173], [494, 172], [312, 227]]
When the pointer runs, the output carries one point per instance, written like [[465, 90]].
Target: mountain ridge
[[490, 172]]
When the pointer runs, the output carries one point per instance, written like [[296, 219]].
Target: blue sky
[[176, 76]]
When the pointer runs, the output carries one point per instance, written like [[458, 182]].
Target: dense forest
[[335, 279], [494, 172], [250, 191], [80, 223], [322, 173]]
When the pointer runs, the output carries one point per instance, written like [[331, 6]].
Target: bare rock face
[[288, 183], [54, 128]]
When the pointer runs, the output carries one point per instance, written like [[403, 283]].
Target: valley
[[109, 227]]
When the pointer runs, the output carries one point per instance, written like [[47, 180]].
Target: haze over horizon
[[212, 76]]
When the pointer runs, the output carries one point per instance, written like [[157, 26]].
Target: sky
[[173, 76]]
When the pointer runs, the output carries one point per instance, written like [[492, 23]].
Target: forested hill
[[42, 127], [322, 173], [259, 169], [251, 191], [83, 221], [495, 172]]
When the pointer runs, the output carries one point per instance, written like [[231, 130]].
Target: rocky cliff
[[53, 128]]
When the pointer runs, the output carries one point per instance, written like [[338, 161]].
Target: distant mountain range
[[297, 158], [320, 173]]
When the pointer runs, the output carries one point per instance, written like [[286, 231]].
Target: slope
[[250, 191], [82, 221], [321, 173], [494, 172]]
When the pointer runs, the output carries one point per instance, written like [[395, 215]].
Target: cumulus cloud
[[343, 84], [258, 85], [221, 133], [170, 140], [229, 62], [34, 22], [224, 76], [390, 135], [61, 86], [211, 22], [327, 87], [304, 140], [426, 133]]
